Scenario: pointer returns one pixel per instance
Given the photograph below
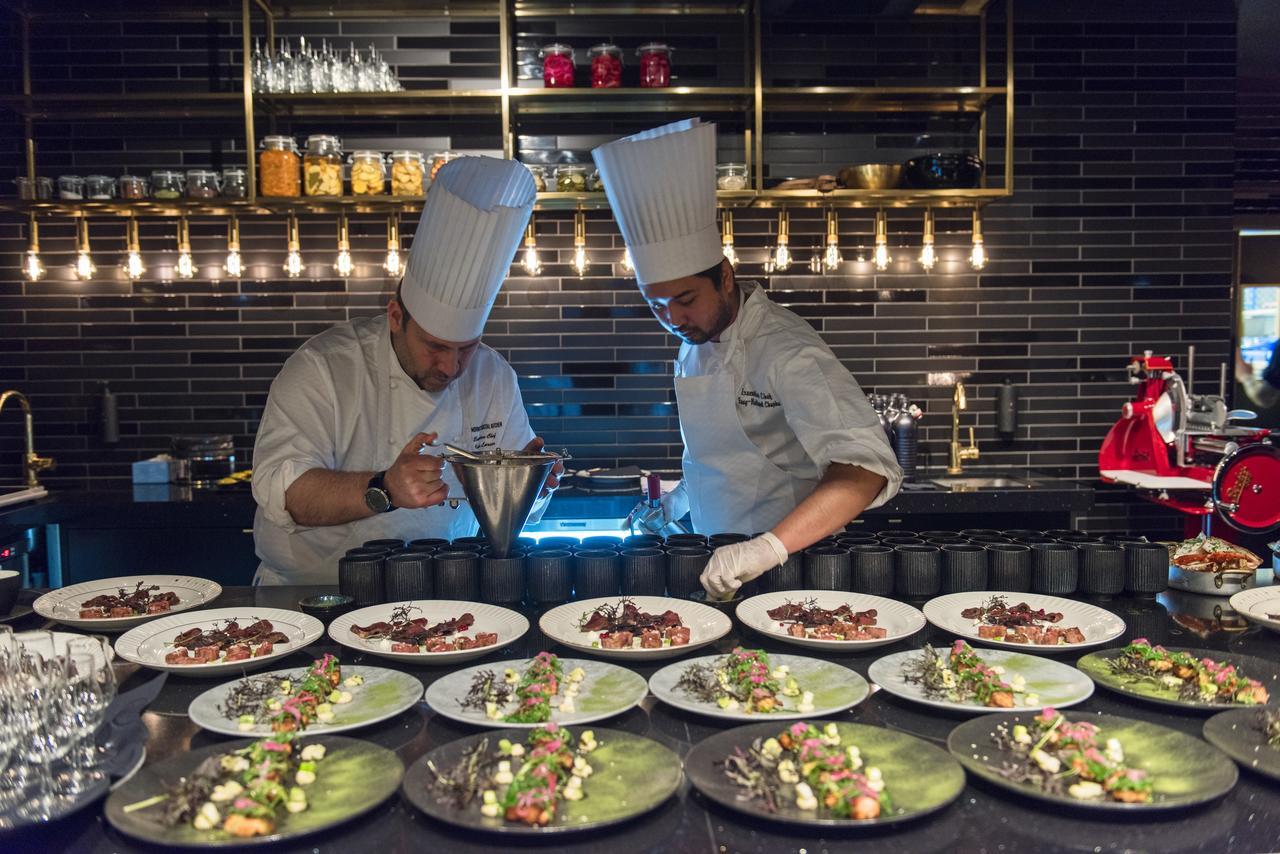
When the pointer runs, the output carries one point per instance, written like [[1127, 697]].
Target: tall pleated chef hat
[[662, 187], [471, 224]]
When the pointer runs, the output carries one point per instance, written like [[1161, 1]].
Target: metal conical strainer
[[501, 487]]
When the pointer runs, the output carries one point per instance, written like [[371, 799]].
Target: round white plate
[[1256, 604], [1099, 625], [706, 625], [63, 605], [149, 643], [60, 640], [384, 694], [507, 624], [1052, 682], [898, 618], [835, 688], [607, 691]]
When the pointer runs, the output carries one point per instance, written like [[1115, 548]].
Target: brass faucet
[[30, 462], [959, 454]]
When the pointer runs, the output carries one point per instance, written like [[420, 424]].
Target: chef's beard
[[724, 318], [428, 380]]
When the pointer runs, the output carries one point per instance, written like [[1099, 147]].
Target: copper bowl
[[871, 176]]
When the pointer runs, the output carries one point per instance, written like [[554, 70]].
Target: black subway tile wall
[[1118, 237]]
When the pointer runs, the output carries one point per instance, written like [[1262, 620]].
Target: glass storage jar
[[606, 66], [70, 187], [235, 185], [594, 184], [322, 166], [99, 187], [655, 65], [132, 187], [439, 159], [279, 167], [29, 190], [731, 176], [166, 184], [539, 174], [202, 184], [368, 174], [571, 178], [557, 66], [406, 173]]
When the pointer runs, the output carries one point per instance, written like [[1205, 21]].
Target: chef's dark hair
[[400, 299], [716, 274]]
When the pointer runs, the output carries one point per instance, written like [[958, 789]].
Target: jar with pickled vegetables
[[70, 187], [406, 173], [655, 65], [439, 159], [234, 184], [99, 187], [539, 174], [166, 184], [557, 66], [571, 178], [606, 66], [279, 167], [202, 184], [132, 187], [594, 182], [368, 173], [731, 176], [322, 166]]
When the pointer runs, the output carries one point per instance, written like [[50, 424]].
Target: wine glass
[[44, 731], [93, 687]]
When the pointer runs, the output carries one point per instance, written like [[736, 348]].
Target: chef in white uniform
[[338, 459], [778, 436]]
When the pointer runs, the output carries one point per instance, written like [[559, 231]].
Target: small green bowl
[[327, 606]]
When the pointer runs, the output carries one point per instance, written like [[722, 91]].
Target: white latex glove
[[673, 505], [733, 565]]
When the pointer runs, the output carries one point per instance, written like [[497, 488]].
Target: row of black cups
[[901, 564]]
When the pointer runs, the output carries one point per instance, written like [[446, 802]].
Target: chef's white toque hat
[[472, 221], [662, 187]]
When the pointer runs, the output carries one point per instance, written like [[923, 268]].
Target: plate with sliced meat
[[429, 631], [219, 641], [830, 619], [1032, 621], [116, 604], [635, 627]]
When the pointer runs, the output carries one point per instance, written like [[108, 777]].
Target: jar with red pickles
[[655, 65], [557, 66], [606, 66]]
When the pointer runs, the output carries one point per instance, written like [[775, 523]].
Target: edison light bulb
[[185, 268], [234, 265], [133, 266], [343, 266], [392, 264], [831, 258], [531, 263], [293, 264], [978, 255], [730, 255], [882, 258], [580, 260], [815, 263], [628, 266], [928, 257], [84, 266], [782, 257], [32, 267]]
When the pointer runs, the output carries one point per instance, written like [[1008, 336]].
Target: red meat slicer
[[1182, 450]]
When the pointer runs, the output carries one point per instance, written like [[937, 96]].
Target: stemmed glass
[[43, 721], [93, 687]]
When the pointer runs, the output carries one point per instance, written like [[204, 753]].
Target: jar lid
[[604, 48], [406, 155], [444, 155], [321, 138], [70, 178], [130, 177], [201, 173], [556, 48], [366, 155], [98, 178], [278, 141], [742, 166], [653, 47], [233, 170], [165, 173], [570, 167], [535, 167]]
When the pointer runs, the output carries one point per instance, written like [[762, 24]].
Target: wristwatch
[[376, 495]]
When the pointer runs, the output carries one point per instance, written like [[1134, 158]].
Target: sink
[[961, 483], [18, 496]]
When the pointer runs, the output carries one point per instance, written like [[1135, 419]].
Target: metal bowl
[[871, 176]]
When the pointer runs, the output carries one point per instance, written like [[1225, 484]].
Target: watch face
[[377, 499]]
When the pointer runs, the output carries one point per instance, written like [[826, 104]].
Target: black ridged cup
[[361, 578], [684, 568], [383, 544], [644, 572], [601, 542], [988, 538], [917, 570], [1036, 541], [596, 572], [931, 535], [871, 569], [788, 576], [848, 541], [1059, 533], [964, 568], [680, 541], [896, 532], [408, 575], [827, 568], [1017, 533], [947, 541], [1055, 568], [524, 544], [642, 541], [1077, 539], [902, 541], [979, 532], [1009, 567], [433, 544], [548, 576], [1146, 568], [715, 541], [476, 543], [501, 579], [558, 543], [1101, 569], [1122, 539], [457, 574], [368, 551]]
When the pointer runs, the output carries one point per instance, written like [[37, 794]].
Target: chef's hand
[[733, 565], [553, 480], [414, 479], [672, 506]]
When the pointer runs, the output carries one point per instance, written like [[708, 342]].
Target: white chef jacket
[[343, 402], [798, 406]]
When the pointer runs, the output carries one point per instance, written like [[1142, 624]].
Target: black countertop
[[982, 819]]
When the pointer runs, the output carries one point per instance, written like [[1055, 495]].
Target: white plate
[[148, 644], [507, 624], [706, 625], [60, 640], [607, 691], [1257, 603], [384, 694], [63, 605], [898, 618], [1099, 626]]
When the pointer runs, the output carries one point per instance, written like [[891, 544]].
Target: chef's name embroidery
[[485, 436], [761, 399]]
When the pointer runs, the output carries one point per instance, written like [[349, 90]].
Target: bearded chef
[[778, 437], [340, 458]]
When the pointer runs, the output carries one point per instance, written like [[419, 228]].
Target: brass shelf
[[160, 106], [879, 198], [609, 8], [881, 99], [706, 99], [423, 102], [329, 10]]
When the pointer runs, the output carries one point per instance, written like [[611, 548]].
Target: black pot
[[788, 576], [943, 171], [918, 570], [501, 579], [362, 578], [872, 569], [827, 568], [1009, 567], [964, 568], [684, 568], [1146, 568], [644, 572], [548, 576], [408, 576], [596, 573], [1055, 568], [457, 574], [1101, 569]]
